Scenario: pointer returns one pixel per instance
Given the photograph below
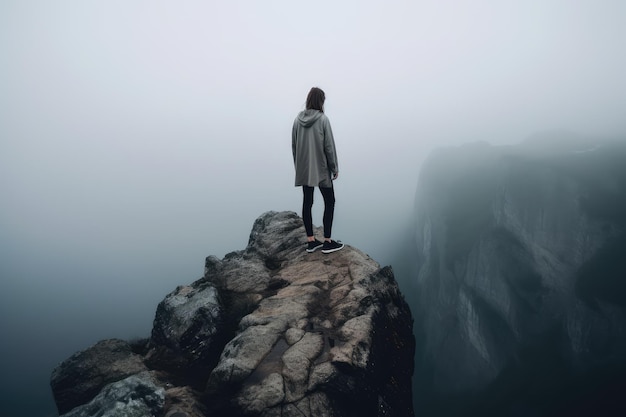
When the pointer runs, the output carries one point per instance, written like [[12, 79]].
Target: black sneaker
[[332, 246], [313, 246]]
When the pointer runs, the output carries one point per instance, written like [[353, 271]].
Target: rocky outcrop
[[134, 396], [186, 331], [521, 278], [81, 377], [271, 331]]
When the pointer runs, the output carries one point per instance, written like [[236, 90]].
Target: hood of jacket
[[307, 117]]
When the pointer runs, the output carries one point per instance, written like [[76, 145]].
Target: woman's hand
[[335, 175]]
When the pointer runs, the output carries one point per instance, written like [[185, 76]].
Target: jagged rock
[[322, 323], [185, 330], [521, 291], [274, 331], [79, 378], [135, 396]]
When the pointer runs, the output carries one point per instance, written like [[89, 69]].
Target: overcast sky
[[137, 137]]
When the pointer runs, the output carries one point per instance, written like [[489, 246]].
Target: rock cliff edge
[[521, 283], [268, 331]]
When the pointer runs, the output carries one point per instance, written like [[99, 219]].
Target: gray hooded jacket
[[313, 147]]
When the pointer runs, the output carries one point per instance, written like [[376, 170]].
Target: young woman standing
[[315, 160]]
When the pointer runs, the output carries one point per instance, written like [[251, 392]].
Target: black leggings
[[329, 209]]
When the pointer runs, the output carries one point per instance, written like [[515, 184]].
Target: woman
[[315, 160]]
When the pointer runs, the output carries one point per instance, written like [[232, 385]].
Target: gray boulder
[[186, 330], [80, 378], [135, 396]]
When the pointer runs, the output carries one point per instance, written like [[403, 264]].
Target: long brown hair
[[315, 99]]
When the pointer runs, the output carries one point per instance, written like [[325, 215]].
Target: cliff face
[[522, 278], [268, 331]]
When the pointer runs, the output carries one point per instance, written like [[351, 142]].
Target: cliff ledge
[[268, 331]]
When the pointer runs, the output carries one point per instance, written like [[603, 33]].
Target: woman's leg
[[329, 210], [307, 204]]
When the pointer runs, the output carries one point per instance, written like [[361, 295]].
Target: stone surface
[[185, 334], [520, 289], [183, 401], [135, 396], [322, 323], [79, 378], [272, 330]]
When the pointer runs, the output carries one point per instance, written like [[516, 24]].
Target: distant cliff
[[521, 257], [268, 331]]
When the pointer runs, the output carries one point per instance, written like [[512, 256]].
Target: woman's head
[[315, 99]]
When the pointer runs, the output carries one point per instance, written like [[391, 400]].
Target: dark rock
[[185, 331], [183, 401], [80, 378], [135, 396]]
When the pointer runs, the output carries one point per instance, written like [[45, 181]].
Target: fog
[[136, 138]]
